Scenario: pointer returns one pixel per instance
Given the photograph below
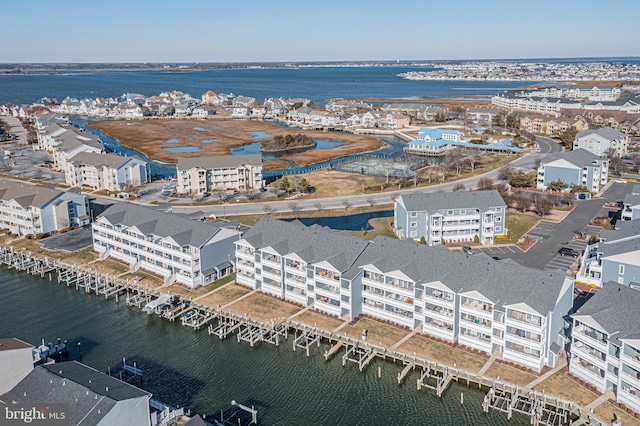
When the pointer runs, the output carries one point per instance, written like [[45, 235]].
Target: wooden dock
[[542, 409]]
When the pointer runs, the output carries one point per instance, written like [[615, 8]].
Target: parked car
[[568, 251], [467, 249]]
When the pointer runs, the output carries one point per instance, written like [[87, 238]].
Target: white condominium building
[[31, 209], [181, 250], [203, 174], [110, 172], [497, 307], [605, 343]]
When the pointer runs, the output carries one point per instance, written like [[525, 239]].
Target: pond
[[261, 135], [172, 140], [200, 129], [208, 140], [183, 149], [355, 222]]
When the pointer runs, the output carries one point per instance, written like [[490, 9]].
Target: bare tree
[[346, 204], [543, 205], [505, 172], [522, 201], [537, 162], [371, 202], [294, 207], [382, 180], [455, 158], [458, 186], [472, 159], [220, 194], [318, 206], [250, 193], [37, 173], [393, 197], [363, 183], [267, 209], [485, 183], [616, 162]]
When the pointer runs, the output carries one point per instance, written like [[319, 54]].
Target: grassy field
[[518, 224], [381, 226], [81, 257], [562, 386], [224, 295], [263, 308], [439, 352], [194, 293], [316, 319], [144, 279], [606, 410], [377, 332], [509, 374], [109, 266]]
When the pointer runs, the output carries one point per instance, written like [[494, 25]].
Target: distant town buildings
[[460, 216], [576, 168], [181, 250], [205, 174], [32, 209], [605, 142], [489, 306]]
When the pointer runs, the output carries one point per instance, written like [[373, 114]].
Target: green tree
[[512, 121], [423, 240], [569, 135], [521, 179], [498, 119], [579, 188], [557, 186]]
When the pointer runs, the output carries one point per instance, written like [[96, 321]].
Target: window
[[450, 212], [498, 218], [414, 214], [498, 228], [413, 224], [413, 233], [621, 269]]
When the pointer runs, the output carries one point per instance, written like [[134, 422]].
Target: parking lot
[[71, 241]]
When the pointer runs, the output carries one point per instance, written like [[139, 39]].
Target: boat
[[152, 306]]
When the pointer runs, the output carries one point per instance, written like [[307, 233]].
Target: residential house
[[180, 250], [209, 98], [605, 343], [497, 307], [71, 142], [603, 142], [575, 168], [460, 216], [631, 205], [300, 115], [110, 172], [32, 209], [393, 121], [615, 256], [482, 115], [92, 397], [204, 174]]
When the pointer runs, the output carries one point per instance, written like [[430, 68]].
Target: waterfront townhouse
[[91, 397], [614, 257], [605, 343], [204, 174], [298, 263], [181, 250], [460, 216], [393, 121], [576, 168], [32, 209], [605, 142], [70, 143], [497, 307], [482, 115], [109, 172], [631, 204], [209, 98]]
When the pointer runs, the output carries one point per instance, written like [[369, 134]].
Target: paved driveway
[[71, 241]]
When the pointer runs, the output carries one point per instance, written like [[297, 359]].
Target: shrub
[[40, 236], [476, 239]]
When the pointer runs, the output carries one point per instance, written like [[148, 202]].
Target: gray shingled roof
[[606, 132], [72, 140], [579, 157], [113, 161], [616, 308], [219, 161], [624, 229], [502, 282], [311, 244], [85, 390], [183, 230], [632, 199], [27, 195], [432, 203], [620, 246]]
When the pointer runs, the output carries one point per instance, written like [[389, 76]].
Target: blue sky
[[303, 30]]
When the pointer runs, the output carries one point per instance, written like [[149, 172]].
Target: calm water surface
[[192, 369]]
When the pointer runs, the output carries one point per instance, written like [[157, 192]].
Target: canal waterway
[[354, 222], [191, 369]]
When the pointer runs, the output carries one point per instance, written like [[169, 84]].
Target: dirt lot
[[509, 374], [562, 386], [151, 136], [318, 320], [263, 308], [430, 349], [376, 332], [225, 295]]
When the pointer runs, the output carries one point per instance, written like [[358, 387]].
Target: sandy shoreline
[[150, 137]]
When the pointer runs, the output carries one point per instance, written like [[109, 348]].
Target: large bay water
[[192, 369]]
